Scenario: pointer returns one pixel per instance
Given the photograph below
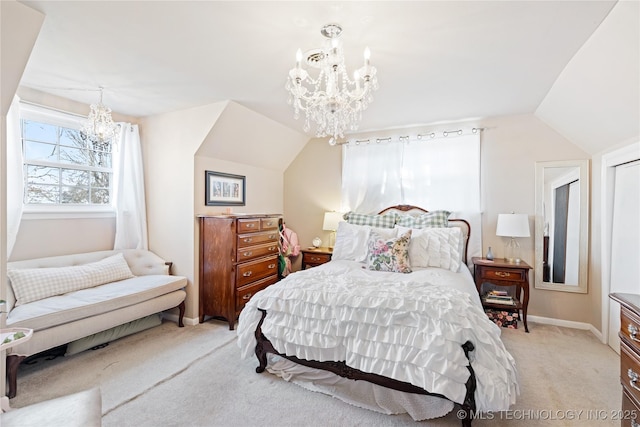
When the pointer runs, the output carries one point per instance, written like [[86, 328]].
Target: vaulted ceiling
[[436, 60]]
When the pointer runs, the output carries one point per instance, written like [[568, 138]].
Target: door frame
[[610, 160]]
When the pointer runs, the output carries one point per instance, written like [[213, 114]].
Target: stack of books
[[499, 297]]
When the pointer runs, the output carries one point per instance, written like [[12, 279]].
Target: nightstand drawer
[[310, 258], [492, 273], [255, 270]]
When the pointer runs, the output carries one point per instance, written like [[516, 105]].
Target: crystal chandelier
[[333, 100], [99, 126]]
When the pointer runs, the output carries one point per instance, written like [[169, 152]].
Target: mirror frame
[[583, 166]]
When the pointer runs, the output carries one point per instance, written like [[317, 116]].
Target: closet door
[[625, 241]]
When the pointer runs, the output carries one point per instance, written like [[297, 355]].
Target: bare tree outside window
[[63, 166]]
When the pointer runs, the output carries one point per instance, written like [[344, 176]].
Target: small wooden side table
[[500, 272], [315, 256]]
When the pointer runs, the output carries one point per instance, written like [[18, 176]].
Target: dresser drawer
[[244, 294], [252, 252], [630, 328], [270, 223], [630, 410], [255, 270], [629, 370], [312, 259], [491, 273], [246, 240], [248, 225]]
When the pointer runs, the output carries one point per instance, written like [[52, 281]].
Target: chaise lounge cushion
[[33, 284], [85, 303]]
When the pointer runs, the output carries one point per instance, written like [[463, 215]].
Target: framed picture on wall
[[224, 189]]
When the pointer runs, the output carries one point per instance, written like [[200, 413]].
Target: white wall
[[510, 146], [19, 26]]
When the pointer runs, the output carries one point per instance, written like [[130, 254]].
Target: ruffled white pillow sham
[[352, 239], [434, 247]]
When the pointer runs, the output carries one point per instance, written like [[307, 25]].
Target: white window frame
[[63, 211]]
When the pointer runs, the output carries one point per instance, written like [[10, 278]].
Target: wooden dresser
[[238, 257], [629, 357]]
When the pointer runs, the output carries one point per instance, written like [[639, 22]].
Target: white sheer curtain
[[369, 182], [440, 173], [15, 182], [128, 174], [433, 173]]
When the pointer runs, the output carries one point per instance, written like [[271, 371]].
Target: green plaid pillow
[[387, 220], [435, 219]]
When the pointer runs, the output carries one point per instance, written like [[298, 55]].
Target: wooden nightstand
[[315, 256], [503, 273]]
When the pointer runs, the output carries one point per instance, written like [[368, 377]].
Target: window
[[62, 168], [439, 173]]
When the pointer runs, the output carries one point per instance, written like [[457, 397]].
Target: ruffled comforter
[[389, 325]]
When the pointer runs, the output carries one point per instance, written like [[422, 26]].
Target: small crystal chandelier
[[333, 100], [99, 126]]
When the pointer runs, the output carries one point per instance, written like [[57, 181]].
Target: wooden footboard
[[264, 346]]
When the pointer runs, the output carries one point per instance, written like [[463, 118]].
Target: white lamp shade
[[513, 225], [331, 220]]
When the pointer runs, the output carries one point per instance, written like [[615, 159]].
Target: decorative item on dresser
[[238, 257], [315, 256], [629, 356], [501, 272]]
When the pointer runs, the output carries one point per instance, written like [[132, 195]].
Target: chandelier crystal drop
[[99, 126], [333, 100]]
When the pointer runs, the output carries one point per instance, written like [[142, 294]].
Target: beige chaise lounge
[[66, 298]]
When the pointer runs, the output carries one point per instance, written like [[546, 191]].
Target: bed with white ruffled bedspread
[[408, 327]]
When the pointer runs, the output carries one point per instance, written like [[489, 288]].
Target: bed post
[[469, 404]]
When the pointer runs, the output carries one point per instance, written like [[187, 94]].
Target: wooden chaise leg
[[13, 361], [181, 307]]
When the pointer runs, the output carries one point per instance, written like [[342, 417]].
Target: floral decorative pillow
[[389, 254]]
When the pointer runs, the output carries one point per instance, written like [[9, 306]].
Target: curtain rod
[[46, 107], [407, 138]]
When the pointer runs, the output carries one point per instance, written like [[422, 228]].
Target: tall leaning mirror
[[562, 225]]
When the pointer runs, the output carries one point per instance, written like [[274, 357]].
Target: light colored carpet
[[193, 376]]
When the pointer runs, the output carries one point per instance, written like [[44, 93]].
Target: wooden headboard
[[464, 226]]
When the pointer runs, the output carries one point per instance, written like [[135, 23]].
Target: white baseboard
[[566, 324], [189, 321]]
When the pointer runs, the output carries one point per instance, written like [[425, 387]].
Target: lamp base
[[512, 251]]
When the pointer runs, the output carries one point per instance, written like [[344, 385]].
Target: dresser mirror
[[562, 225]]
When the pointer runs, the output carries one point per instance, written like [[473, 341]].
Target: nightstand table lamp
[[513, 225], [331, 220]]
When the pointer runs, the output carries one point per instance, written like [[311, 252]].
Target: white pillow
[[434, 247], [32, 284], [352, 239]]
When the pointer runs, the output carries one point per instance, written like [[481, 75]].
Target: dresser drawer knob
[[272, 266], [248, 240], [502, 274], [272, 248], [246, 297], [315, 258], [633, 331], [247, 253], [633, 379], [269, 223], [247, 273], [272, 236], [252, 225]]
